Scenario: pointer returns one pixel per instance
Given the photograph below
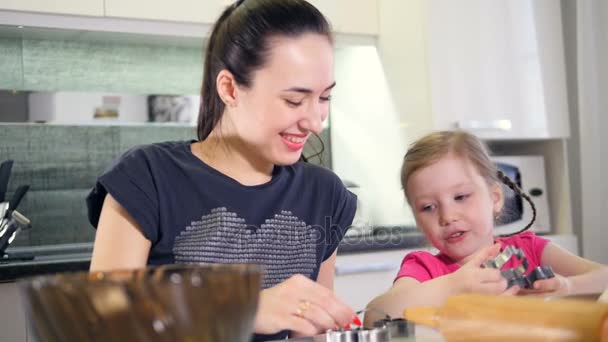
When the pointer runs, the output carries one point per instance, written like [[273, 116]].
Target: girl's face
[[288, 99], [454, 206]]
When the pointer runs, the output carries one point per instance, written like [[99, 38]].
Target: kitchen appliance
[[11, 222], [8, 230], [87, 108], [167, 303], [362, 224], [173, 108], [386, 330], [528, 172]]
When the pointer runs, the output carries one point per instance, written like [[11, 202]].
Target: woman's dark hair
[[240, 43]]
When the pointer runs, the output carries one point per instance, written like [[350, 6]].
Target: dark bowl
[[166, 303]]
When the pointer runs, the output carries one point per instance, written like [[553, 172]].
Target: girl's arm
[[119, 242], [407, 291], [582, 275]]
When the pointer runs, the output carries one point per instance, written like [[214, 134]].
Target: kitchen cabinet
[[350, 16], [497, 68], [346, 16], [360, 277], [72, 7], [205, 12], [12, 315]]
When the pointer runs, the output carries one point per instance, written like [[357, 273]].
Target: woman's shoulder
[[315, 172], [152, 154], [155, 150]]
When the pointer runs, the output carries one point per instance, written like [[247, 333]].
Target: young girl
[[455, 193], [239, 194]]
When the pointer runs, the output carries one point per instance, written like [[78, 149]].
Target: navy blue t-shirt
[[192, 213]]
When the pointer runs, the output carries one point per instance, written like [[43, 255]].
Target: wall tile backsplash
[[61, 65], [11, 72], [62, 162]]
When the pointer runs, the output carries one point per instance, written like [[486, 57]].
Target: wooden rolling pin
[[473, 317]]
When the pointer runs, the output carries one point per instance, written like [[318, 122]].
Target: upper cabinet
[[496, 68], [350, 16], [72, 7], [356, 17], [347, 16], [196, 11]]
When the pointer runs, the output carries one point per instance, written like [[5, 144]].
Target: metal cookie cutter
[[517, 275]]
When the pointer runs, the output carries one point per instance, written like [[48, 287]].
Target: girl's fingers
[[489, 275], [545, 285], [484, 255], [493, 287], [513, 290]]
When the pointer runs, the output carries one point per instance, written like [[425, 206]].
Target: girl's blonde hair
[[434, 146]]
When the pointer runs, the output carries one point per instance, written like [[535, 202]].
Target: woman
[[240, 194]]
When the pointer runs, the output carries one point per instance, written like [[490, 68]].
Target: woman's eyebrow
[[307, 90]]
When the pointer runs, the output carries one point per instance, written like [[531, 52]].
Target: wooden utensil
[[473, 317]]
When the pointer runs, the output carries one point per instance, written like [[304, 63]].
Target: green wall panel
[[61, 65], [11, 72]]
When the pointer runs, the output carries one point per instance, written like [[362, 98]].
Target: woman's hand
[[302, 306], [472, 278], [556, 286]]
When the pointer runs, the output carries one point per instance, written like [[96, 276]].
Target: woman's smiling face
[[288, 98]]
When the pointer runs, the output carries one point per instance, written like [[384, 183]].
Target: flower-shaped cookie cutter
[[517, 275]]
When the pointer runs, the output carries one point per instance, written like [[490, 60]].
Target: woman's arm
[[119, 242], [582, 275], [327, 271]]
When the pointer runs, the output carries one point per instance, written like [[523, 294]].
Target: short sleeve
[[131, 182], [537, 245], [414, 265], [345, 205]]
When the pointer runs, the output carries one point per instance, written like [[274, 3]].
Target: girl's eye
[[428, 208], [325, 99], [293, 103], [461, 197]]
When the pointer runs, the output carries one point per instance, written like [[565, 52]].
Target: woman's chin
[[286, 160]]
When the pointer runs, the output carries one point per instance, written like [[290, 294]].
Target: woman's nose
[[313, 122]]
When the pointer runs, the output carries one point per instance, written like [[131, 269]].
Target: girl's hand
[[302, 306], [556, 286], [471, 277]]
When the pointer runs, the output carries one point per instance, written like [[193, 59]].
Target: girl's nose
[[447, 216]]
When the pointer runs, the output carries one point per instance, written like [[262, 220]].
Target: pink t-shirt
[[424, 266]]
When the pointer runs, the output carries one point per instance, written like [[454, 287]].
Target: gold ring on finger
[[302, 307]]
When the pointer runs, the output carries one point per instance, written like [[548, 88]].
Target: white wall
[[367, 141], [592, 79], [381, 104]]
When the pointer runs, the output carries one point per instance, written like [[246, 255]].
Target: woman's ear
[[226, 87], [498, 198]]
